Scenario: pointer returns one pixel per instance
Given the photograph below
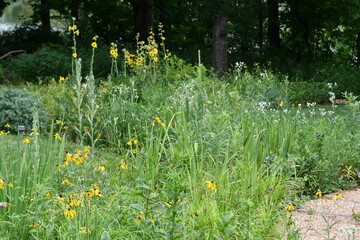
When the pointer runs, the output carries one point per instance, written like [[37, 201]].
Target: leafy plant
[[17, 107]]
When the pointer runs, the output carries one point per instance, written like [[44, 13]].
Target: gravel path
[[325, 218]]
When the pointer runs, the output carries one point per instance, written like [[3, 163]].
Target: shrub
[[16, 108], [46, 63]]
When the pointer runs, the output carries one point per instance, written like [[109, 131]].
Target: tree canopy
[[226, 31]]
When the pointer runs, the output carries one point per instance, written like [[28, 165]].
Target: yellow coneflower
[[69, 213], [66, 181], [211, 185], [123, 165], [290, 207], [101, 168], [337, 196], [318, 193], [33, 225], [57, 136]]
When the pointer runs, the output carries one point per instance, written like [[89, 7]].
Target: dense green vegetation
[[126, 140]]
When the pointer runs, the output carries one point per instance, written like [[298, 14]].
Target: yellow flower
[[123, 165], [10, 185], [140, 217], [94, 44], [318, 193], [77, 32], [101, 168], [163, 38], [290, 207], [48, 194], [2, 181], [7, 125], [211, 185], [57, 136], [281, 104], [114, 53], [66, 181], [26, 140], [3, 133], [156, 59], [63, 79], [75, 203], [338, 195], [87, 149], [60, 198], [59, 122], [33, 225], [69, 213], [74, 55], [84, 230]]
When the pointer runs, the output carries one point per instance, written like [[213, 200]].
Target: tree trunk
[[274, 24], [75, 8], [306, 31], [143, 17], [219, 55], [358, 49], [45, 19]]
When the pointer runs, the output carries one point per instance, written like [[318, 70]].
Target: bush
[[16, 108], [45, 63]]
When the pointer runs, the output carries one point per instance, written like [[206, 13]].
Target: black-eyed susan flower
[[290, 207], [101, 168], [63, 79], [60, 198], [66, 181], [57, 136], [140, 217], [33, 225], [123, 165], [318, 193], [211, 185], [69, 212], [337, 196]]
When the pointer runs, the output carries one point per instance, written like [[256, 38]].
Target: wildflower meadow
[[163, 149]]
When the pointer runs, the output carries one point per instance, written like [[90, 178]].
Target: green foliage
[[17, 108], [44, 64]]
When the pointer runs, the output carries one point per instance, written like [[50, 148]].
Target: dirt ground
[[326, 218]]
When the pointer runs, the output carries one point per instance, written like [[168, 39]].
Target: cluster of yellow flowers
[[63, 79], [133, 60], [132, 141], [95, 191], [3, 132], [74, 29], [78, 157], [114, 50], [159, 121]]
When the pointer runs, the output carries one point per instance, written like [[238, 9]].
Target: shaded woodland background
[[306, 40]]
